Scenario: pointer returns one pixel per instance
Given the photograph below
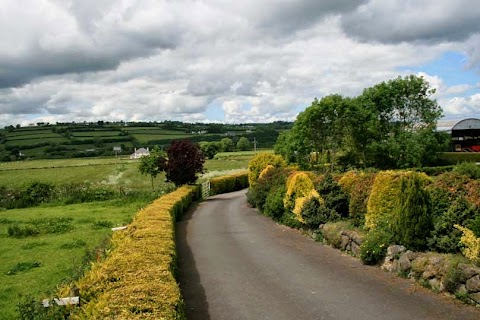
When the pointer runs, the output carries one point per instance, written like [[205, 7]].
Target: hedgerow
[[229, 183], [136, 280]]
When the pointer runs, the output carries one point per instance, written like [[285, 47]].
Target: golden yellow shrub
[[265, 171], [348, 180], [300, 202], [259, 162], [299, 185], [471, 244]]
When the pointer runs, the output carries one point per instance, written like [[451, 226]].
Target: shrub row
[[136, 280], [36, 193], [402, 207], [229, 183]]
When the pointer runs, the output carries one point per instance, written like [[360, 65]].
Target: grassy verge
[[35, 264]]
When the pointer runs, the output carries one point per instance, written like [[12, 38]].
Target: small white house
[[141, 152]]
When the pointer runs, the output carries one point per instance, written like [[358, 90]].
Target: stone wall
[[435, 271], [439, 272]]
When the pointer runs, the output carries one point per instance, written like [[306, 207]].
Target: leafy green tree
[[227, 145], [153, 164], [243, 144], [402, 130], [210, 149], [185, 160], [390, 125]]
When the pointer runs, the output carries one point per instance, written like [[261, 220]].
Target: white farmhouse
[[141, 152]]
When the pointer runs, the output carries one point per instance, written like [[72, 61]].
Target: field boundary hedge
[[137, 279], [229, 183]]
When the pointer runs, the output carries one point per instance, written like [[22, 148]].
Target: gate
[[205, 189]]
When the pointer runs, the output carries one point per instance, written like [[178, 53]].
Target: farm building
[[141, 152], [466, 135]]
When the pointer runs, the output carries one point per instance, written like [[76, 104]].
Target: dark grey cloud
[[409, 21], [287, 17]]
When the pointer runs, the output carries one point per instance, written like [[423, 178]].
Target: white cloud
[[261, 61]]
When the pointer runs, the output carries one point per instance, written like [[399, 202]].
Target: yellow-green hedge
[[136, 280], [229, 183]]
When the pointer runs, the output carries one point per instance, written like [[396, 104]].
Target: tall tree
[[403, 129], [243, 144], [185, 160]]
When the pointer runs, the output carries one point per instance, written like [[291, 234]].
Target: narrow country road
[[237, 264]]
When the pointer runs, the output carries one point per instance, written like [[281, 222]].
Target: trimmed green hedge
[[136, 280], [458, 157], [233, 182]]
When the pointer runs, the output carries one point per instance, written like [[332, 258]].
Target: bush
[[315, 212], [383, 198], [335, 199], [299, 185], [444, 237], [374, 246], [274, 203], [270, 179], [471, 244], [37, 192], [412, 220], [469, 169], [259, 162]]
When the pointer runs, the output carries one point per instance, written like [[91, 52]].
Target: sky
[[226, 61]]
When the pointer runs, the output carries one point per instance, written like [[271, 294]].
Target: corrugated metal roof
[[471, 123]]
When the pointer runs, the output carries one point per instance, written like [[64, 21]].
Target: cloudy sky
[[227, 61]]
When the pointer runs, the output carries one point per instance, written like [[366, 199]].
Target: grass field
[[33, 265], [106, 171], [36, 264]]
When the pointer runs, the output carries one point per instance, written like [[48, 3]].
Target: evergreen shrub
[[274, 203], [315, 212], [334, 197], [412, 217]]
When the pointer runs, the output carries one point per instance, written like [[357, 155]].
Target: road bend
[[236, 264]]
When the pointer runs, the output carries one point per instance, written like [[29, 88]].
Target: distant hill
[[74, 140]]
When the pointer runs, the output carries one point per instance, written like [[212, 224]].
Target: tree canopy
[[390, 125]]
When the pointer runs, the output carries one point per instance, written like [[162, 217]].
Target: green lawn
[[110, 171], [57, 255], [225, 161]]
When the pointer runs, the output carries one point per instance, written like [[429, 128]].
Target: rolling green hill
[[77, 140]]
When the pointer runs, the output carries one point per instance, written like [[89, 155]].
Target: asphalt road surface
[[237, 264]]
